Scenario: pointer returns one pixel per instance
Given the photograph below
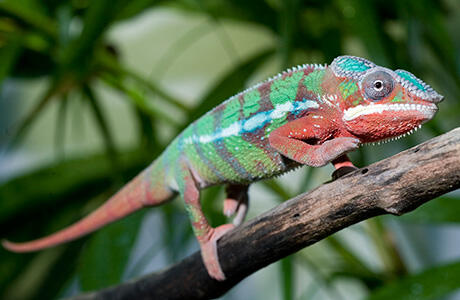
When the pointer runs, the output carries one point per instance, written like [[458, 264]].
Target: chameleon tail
[[140, 192]]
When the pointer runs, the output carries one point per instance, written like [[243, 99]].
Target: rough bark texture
[[395, 185]]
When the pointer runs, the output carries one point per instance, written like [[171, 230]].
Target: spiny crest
[[416, 86], [279, 75], [351, 66], [295, 69], [301, 67]]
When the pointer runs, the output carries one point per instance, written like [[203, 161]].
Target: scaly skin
[[309, 115]]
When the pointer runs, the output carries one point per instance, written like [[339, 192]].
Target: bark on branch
[[395, 185]]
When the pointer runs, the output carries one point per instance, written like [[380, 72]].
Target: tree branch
[[395, 185]]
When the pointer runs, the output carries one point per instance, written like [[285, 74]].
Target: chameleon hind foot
[[230, 206], [236, 203], [209, 251]]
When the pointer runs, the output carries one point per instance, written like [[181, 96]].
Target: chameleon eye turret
[[377, 85]]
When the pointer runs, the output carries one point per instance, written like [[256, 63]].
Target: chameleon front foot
[[209, 251], [342, 171], [342, 166]]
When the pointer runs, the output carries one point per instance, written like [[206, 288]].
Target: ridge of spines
[[279, 75], [428, 92]]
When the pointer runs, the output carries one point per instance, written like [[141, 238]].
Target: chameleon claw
[[209, 252]]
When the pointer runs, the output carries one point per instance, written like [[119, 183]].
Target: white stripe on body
[[257, 121]]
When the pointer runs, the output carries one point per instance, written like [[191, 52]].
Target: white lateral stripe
[[280, 110], [257, 121]]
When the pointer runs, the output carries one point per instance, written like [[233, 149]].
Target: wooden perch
[[395, 185]]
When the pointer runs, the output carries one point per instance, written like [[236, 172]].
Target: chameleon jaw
[[394, 138], [428, 110]]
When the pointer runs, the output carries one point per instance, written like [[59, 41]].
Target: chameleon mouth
[[428, 110]]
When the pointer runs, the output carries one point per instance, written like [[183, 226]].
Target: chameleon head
[[379, 103]]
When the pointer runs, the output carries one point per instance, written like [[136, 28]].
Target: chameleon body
[[307, 115]]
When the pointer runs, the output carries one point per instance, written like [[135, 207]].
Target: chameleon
[[309, 115]]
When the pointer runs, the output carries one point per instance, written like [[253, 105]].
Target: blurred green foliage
[[38, 39]]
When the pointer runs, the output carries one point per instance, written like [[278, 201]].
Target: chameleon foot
[[236, 208], [237, 201], [342, 171], [342, 166], [209, 251], [230, 207]]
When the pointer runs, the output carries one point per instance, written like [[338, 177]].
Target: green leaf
[[115, 76], [11, 266], [212, 207], [351, 260], [60, 182], [429, 284], [277, 188], [139, 100], [306, 181], [103, 127], [8, 56], [135, 7], [104, 259], [441, 210], [60, 272], [61, 118], [178, 230], [18, 270], [287, 277], [33, 61], [31, 117], [256, 11], [79, 53], [386, 247], [319, 278], [147, 132], [154, 88], [29, 14], [181, 45]]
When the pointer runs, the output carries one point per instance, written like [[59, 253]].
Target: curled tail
[[143, 190]]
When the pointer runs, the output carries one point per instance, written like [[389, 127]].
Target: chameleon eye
[[377, 85]]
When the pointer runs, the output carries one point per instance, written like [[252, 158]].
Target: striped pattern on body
[[229, 144]]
